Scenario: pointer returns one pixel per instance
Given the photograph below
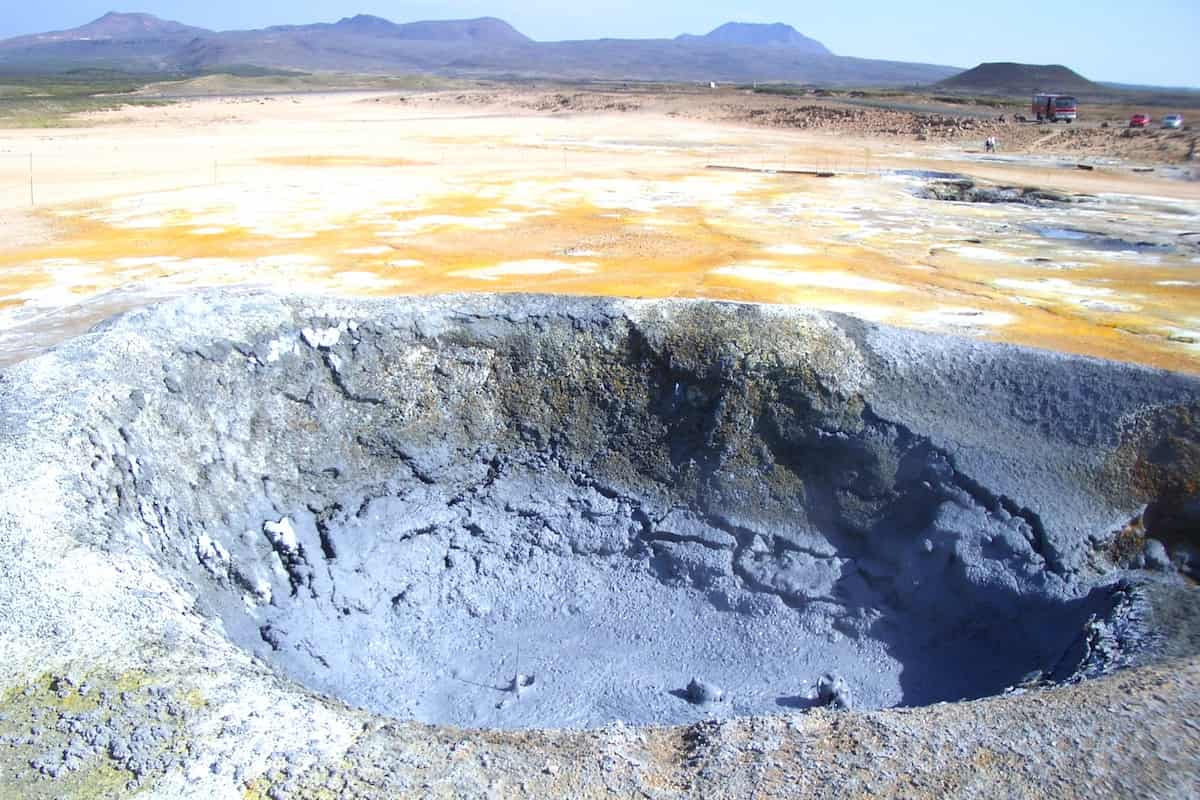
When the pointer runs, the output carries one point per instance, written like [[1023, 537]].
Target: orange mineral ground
[[336, 193]]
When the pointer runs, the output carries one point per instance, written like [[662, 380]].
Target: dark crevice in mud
[[663, 536], [306, 400], [322, 518], [628, 505], [339, 382], [1003, 506], [388, 445]]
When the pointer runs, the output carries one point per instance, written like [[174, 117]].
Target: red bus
[[1054, 107]]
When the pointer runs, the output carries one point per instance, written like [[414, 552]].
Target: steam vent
[[257, 546]]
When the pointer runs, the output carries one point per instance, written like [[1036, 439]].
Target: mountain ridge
[[116, 25], [751, 34], [482, 47]]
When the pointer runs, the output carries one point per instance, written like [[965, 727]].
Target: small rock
[[700, 692], [833, 691], [282, 535], [520, 683], [321, 339], [1156, 555]]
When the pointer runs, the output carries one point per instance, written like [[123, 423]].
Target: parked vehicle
[[1173, 121], [1139, 120], [1055, 107]]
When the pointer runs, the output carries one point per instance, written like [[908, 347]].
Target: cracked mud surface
[[274, 505]]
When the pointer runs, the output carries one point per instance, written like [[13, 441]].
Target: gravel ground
[[883, 119]]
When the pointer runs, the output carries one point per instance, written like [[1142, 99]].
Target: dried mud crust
[[274, 499], [25, 228], [1119, 737]]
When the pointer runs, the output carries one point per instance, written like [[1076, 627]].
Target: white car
[[1172, 121]]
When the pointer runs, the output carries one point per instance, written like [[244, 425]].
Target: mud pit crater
[[407, 505]]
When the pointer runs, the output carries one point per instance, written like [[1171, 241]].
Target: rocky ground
[[816, 113]]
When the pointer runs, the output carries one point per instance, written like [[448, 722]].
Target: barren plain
[[588, 193]]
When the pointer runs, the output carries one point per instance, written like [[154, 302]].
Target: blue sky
[[1146, 41]]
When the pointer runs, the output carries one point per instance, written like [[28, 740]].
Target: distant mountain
[[1142, 87], [1006, 78], [128, 42], [365, 24], [485, 47], [754, 35], [115, 26], [483, 30]]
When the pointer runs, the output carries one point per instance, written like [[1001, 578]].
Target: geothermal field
[[527, 444], [364, 195]]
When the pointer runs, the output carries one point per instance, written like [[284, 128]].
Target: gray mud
[[1097, 240], [421, 506], [960, 189]]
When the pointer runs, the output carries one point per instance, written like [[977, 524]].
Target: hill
[[483, 30], [754, 35], [476, 48], [113, 26], [361, 23], [136, 43], [1007, 78]]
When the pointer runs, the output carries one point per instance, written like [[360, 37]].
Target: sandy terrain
[[362, 194]]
